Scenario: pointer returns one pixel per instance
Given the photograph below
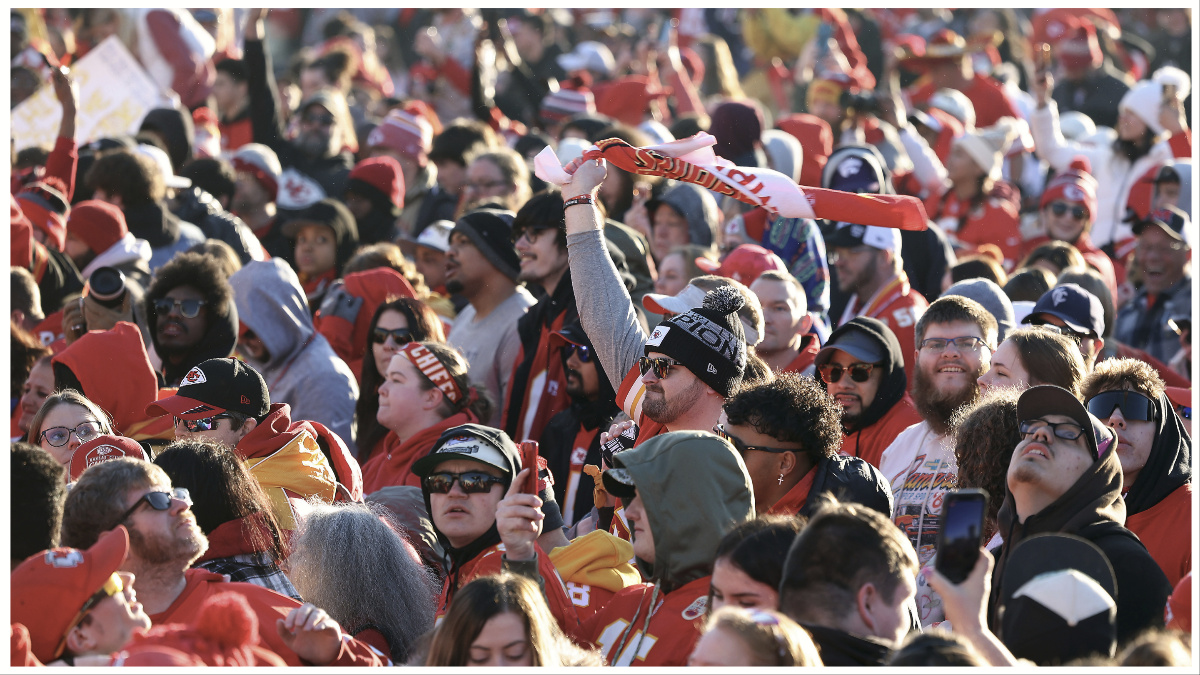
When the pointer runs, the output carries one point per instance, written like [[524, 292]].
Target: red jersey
[[809, 346], [594, 568], [545, 392], [491, 561], [624, 637], [266, 604], [630, 396], [1165, 530], [897, 305], [986, 94], [868, 444], [996, 221]]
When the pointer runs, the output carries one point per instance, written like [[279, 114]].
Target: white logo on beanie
[[194, 376], [712, 369], [1073, 193], [850, 167], [656, 338], [1059, 296]]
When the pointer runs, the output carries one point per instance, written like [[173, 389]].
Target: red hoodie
[[287, 460], [375, 287], [392, 465], [116, 375]]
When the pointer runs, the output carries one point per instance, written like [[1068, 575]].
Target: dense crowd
[[601, 337]]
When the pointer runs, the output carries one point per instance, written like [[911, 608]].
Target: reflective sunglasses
[[1068, 431], [111, 587], [859, 372], [190, 309], [58, 436], [966, 343], [401, 336], [585, 353], [741, 447], [204, 424], [159, 501], [661, 365], [1060, 209], [1134, 405], [471, 482]]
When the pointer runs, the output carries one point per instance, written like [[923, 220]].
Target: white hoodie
[[127, 249]]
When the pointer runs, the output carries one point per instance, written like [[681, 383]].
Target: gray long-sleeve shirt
[[605, 308]]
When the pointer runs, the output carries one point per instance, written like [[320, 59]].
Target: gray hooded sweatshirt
[[301, 369], [697, 206]]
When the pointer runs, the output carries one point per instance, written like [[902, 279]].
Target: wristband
[[580, 199]]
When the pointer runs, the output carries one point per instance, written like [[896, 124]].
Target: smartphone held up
[[961, 534]]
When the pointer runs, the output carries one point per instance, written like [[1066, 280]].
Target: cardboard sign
[[114, 94]]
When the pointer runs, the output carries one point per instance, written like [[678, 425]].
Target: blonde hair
[[772, 638]]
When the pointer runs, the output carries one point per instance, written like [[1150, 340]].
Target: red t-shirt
[[1164, 528]]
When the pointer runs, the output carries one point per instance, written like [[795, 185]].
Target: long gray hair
[[351, 560]]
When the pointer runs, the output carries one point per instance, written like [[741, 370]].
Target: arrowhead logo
[[194, 376]]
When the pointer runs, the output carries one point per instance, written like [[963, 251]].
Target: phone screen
[[961, 534]]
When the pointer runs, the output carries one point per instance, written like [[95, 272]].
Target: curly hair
[[791, 408], [123, 172], [203, 273], [984, 437]]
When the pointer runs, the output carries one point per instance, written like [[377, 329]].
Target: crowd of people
[[593, 337]]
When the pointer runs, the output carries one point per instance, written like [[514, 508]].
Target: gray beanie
[[993, 299]]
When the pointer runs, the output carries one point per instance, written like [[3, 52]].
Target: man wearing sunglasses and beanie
[[1065, 476], [1155, 455], [863, 370], [463, 479], [226, 401]]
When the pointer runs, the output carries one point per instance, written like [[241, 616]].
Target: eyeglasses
[[322, 120], [58, 436], [1060, 209], [484, 185], [859, 372], [741, 447], [1134, 405], [401, 336], [1068, 431], [111, 587], [661, 365], [204, 424], [190, 309], [966, 343], [471, 482], [585, 353], [531, 234], [159, 501]]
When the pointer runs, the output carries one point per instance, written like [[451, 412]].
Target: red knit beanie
[[1076, 186], [384, 174], [98, 224]]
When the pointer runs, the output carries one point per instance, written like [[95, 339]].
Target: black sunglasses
[[471, 482], [661, 365], [1068, 431], [159, 501], [741, 447], [585, 353], [1134, 405], [1060, 209], [190, 309], [401, 336], [859, 372]]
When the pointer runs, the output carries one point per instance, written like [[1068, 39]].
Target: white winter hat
[[1144, 100], [989, 145]]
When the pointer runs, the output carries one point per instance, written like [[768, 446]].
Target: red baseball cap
[[101, 449], [744, 263], [50, 588]]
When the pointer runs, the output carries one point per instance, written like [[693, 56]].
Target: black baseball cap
[[214, 387], [1048, 399]]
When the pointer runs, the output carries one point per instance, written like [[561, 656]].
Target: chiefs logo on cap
[[66, 558], [194, 376]]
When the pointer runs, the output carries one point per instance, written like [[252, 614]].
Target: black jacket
[[176, 128], [60, 279], [1096, 96], [1169, 465], [530, 327], [558, 442], [198, 207], [1092, 508], [839, 648], [850, 479]]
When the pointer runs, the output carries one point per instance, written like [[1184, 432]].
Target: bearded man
[[955, 338]]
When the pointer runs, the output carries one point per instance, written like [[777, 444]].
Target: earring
[[781, 479]]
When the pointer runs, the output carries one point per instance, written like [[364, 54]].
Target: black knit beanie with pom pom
[[709, 340]]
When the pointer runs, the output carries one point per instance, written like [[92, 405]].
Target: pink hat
[[98, 224], [402, 132], [101, 449], [744, 263]]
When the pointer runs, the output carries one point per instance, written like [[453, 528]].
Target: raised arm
[[605, 308], [264, 101]]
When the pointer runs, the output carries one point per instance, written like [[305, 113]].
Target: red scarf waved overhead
[[692, 160]]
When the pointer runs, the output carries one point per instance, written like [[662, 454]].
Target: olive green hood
[[695, 488]]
